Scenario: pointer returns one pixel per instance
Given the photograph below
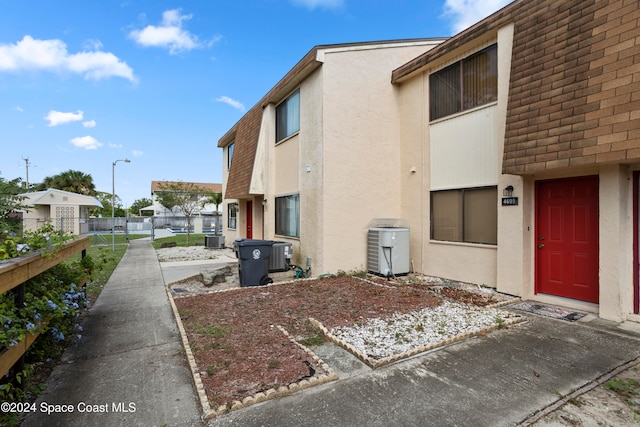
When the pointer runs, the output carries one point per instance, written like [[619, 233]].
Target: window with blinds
[[465, 215], [464, 85], [288, 117]]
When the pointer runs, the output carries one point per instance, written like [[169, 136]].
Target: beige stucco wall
[[515, 237], [344, 162], [310, 167], [36, 217], [362, 161], [285, 170], [616, 243], [414, 170], [515, 228], [287, 165], [422, 147]]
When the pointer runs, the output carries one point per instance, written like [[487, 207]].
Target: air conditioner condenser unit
[[388, 251]]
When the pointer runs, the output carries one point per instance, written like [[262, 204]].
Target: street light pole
[[113, 201]]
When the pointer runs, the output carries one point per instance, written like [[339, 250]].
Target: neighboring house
[[64, 210], [161, 211], [512, 151], [309, 163]]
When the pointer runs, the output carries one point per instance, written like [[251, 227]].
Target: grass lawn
[[105, 260], [181, 240], [119, 238]]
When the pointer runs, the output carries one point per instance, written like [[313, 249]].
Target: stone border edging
[[285, 390], [197, 381], [499, 304], [207, 412], [377, 363], [239, 288]]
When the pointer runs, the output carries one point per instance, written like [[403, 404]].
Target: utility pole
[[26, 163]]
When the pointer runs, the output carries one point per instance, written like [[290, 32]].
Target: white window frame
[[288, 222], [288, 117], [232, 220], [230, 149]]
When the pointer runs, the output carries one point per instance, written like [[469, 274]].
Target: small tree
[[139, 204], [106, 200], [185, 196], [10, 202]]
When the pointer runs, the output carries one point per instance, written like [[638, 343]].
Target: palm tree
[[215, 199], [73, 181]]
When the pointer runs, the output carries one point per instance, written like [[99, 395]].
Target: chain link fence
[[209, 224]]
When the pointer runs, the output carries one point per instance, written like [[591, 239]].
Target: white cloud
[[112, 145], [232, 102], [169, 34], [52, 55], [324, 4], [137, 153], [86, 142], [19, 109], [89, 124], [56, 118], [465, 13], [92, 44]]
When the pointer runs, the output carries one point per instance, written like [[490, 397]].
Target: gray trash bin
[[253, 261]]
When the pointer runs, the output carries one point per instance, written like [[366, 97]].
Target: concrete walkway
[[496, 380], [130, 366], [131, 358]]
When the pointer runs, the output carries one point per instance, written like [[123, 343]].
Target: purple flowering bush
[[13, 245], [52, 303]]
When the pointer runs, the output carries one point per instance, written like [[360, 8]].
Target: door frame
[[536, 284], [249, 219], [636, 243]]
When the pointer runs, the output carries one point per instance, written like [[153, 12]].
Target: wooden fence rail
[[16, 271]]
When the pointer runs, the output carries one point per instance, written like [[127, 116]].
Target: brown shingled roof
[[245, 133]]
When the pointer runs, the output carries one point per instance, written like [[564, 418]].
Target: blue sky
[[83, 84]]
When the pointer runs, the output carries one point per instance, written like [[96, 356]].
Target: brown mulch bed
[[468, 297], [461, 292], [240, 351]]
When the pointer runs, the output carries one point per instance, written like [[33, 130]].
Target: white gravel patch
[[379, 338]]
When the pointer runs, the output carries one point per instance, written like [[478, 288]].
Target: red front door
[[567, 238], [249, 220]]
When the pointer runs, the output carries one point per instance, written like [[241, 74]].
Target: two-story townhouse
[[512, 150], [317, 158], [521, 154]]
